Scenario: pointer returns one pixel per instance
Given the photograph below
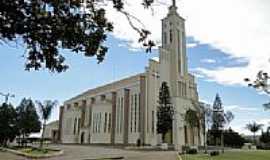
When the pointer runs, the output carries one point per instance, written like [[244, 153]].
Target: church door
[[82, 138]]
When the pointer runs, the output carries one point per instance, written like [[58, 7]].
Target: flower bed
[[32, 152]]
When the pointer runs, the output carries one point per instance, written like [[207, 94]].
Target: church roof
[[109, 87]]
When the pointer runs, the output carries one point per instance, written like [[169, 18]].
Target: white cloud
[[155, 59], [211, 61], [238, 28], [236, 108], [192, 45]]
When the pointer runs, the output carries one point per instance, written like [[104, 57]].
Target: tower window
[[165, 38], [153, 121], [171, 36], [105, 122]]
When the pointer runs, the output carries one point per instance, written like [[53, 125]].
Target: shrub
[[185, 148], [192, 151], [264, 147], [214, 153]]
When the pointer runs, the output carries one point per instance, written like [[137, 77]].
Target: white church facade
[[125, 111]]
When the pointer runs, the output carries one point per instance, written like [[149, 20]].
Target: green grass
[[36, 151], [232, 155]]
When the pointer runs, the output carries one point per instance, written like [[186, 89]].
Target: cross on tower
[[174, 3]]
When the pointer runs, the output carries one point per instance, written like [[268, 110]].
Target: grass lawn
[[232, 155]]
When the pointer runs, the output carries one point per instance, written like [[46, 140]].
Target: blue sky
[[85, 73]]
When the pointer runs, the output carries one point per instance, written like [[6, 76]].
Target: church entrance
[[82, 138]]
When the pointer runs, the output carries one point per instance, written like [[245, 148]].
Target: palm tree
[[45, 109], [254, 128]]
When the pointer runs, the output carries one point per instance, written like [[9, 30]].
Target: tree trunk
[[23, 140], [254, 138], [222, 141], [193, 138], [205, 139], [42, 135]]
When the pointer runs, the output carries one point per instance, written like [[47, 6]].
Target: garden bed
[[33, 152]]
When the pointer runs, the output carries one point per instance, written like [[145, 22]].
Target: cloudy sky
[[228, 40]]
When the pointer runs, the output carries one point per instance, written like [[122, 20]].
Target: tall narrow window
[[109, 123], [79, 125], [186, 138], [118, 116], [184, 51], [122, 115], [94, 121], [153, 121], [135, 113], [139, 112], [105, 123], [75, 126], [179, 52], [171, 36], [164, 38], [100, 121], [131, 114]]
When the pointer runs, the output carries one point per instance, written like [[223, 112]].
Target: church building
[[125, 111]]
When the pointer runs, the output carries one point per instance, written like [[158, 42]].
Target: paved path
[[9, 156], [78, 152]]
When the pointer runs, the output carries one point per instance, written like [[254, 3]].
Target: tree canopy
[[46, 26], [28, 119], [165, 110], [261, 83], [219, 117], [192, 118], [45, 110], [8, 127], [254, 128]]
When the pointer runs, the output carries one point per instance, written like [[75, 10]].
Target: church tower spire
[[173, 3], [173, 50]]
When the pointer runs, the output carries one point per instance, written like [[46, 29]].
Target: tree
[[28, 120], [254, 128], [192, 120], [233, 139], [206, 112], [220, 119], [261, 83], [45, 109], [46, 26], [8, 128], [165, 111], [265, 137]]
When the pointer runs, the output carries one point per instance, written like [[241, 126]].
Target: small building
[[52, 132]]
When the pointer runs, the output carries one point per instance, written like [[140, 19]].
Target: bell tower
[[173, 68], [173, 58]]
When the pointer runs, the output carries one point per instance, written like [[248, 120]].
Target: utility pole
[[8, 95]]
